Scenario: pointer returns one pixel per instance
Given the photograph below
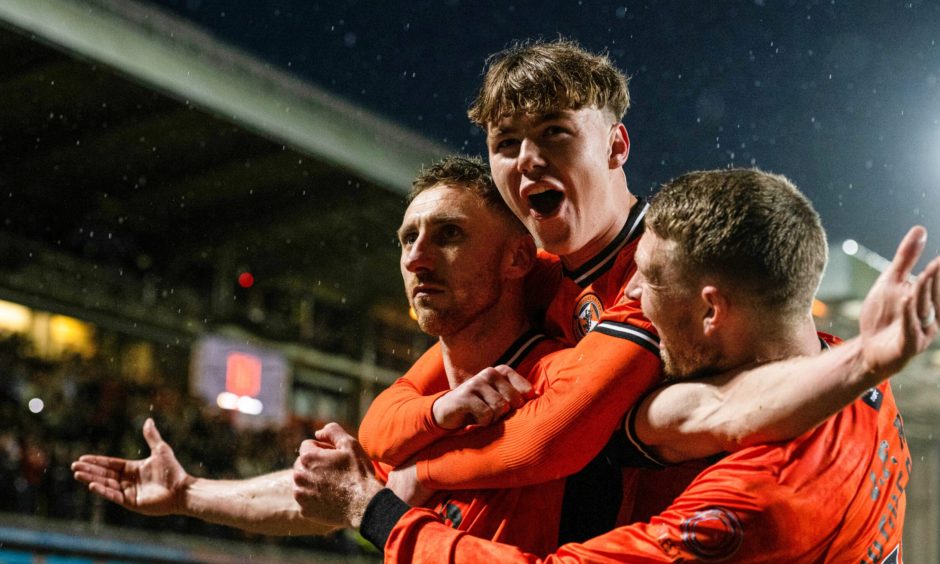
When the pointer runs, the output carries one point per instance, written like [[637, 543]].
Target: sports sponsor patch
[[451, 514], [587, 313], [873, 397], [893, 557], [712, 534]]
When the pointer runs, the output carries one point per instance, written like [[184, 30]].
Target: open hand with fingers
[[333, 478], [898, 318], [153, 486]]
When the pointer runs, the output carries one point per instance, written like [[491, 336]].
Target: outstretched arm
[[783, 400], [158, 485]]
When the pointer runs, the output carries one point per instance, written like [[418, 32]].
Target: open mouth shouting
[[545, 201]]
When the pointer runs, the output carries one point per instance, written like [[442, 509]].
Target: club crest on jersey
[[586, 314], [451, 514], [713, 534]]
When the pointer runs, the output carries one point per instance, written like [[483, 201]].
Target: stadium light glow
[[244, 404], [849, 247], [227, 400], [250, 405], [820, 309], [14, 317], [36, 405]]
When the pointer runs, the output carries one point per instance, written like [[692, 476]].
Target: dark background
[[842, 97]]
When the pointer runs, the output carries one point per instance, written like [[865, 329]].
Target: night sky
[[841, 96]]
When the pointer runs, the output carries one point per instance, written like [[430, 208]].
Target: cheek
[[509, 194], [646, 304], [502, 169]]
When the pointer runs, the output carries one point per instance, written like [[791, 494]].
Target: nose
[[634, 289], [417, 256], [530, 158]]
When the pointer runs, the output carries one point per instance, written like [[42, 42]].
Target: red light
[[246, 280], [243, 374]]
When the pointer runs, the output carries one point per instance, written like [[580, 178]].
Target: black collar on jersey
[[601, 263], [520, 348]]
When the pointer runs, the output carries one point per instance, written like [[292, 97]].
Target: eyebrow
[[497, 131], [434, 220], [538, 120], [557, 114]]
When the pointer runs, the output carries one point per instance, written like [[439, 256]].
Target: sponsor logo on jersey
[[451, 514], [873, 397], [713, 534], [894, 557], [587, 313]]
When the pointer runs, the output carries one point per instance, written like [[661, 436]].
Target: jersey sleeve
[[748, 517], [589, 389], [420, 536], [399, 423]]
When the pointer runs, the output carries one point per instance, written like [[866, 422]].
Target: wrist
[[186, 500], [441, 414], [869, 371], [359, 504]]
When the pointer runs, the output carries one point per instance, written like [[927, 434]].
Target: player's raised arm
[[422, 418], [782, 400], [158, 485]]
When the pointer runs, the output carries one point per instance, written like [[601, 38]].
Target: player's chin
[[429, 320]]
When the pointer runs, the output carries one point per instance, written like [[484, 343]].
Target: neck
[[795, 338], [619, 199], [481, 343]]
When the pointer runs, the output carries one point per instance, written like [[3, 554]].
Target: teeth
[[539, 190]]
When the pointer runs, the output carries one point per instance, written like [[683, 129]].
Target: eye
[[407, 239], [450, 231], [554, 130], [505, 143]]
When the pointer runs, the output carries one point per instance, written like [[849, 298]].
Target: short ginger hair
[[749, 229]]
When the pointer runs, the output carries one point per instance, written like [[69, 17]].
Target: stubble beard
[[448, 321], [697, 362]]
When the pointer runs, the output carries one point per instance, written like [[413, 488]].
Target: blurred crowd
[[87, 406]]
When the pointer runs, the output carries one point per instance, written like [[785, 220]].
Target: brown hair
[[541, 77], [749, 229], [466, 173]]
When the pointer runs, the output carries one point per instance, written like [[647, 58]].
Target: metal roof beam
[[171, 55]]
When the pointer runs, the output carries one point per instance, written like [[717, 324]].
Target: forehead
[[522, 120], [445, 201], [641, 256], [654, 256]]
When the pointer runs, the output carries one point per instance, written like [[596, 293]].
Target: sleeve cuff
[[381, 516]]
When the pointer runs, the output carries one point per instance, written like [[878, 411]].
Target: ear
[[619, 146], [520, 257], [716, 310]]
